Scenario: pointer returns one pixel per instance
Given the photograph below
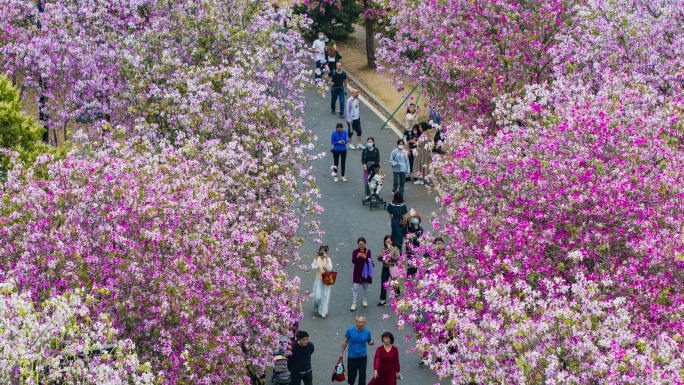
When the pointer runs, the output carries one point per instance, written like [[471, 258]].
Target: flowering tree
[[191, 244], [51, 342], [565, 257], [189, 212], [469, 52]]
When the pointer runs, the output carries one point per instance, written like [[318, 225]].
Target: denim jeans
[[399, 181], [337, 92]]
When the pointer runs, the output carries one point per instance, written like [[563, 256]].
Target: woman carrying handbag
[[389, 258], [321, 291]]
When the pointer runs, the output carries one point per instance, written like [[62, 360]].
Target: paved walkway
[[344, 220]]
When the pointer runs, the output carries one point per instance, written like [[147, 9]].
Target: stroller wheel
[[370, 207], [363, 201]]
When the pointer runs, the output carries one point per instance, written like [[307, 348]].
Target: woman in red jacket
[[386, 362]]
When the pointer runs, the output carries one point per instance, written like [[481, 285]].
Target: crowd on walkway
[[409, 160]]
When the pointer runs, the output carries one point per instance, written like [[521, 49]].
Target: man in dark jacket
[[299, 362]]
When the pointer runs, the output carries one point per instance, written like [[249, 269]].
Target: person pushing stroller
[[370, 155]]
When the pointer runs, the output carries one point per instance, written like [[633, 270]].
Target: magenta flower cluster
[[562, 189], [182, 206]]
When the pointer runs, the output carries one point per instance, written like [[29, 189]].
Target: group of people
[[386, 367], [410, 159]]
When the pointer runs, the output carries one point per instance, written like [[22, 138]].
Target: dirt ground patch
[[353, 53]]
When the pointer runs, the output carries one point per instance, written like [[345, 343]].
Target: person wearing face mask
[[339, 141], [399, 160], [318, 48], [369, 154], [413, 233]]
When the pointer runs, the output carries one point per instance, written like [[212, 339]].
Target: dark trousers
[[337, 93], [411, 156], [336, 161], [384, 277], [355, 365], [298, 378]]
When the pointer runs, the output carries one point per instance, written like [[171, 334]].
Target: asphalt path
[[344, 220]]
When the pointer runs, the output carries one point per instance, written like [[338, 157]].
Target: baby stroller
[[281, 375], [373, 183]]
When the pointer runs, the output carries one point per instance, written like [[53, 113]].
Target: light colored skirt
[[422, 161], [321, 297]]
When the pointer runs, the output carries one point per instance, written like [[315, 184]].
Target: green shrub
[[336, 23], [18, 131]]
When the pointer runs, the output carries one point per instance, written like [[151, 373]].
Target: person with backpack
[[338, 85]]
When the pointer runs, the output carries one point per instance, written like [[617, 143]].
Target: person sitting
[[375, 180]]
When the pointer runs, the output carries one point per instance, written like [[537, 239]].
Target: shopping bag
[[339, 373], [329, 277], [395, 272]]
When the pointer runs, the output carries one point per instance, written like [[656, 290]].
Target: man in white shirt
[[353, 110], [319, 49]]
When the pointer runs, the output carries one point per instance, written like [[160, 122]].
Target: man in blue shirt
[[357, 337]]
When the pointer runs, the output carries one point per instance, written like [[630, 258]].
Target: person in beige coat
[[321, 291]]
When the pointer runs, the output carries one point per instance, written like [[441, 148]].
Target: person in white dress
[[321, 292], [411, 116]]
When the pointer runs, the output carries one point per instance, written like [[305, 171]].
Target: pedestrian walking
[[389, 258], [397, 211], [338, 85], [363, 272], [353, 111], [321, 292], [299, 362], [386, 362], [369, 154], [318, 48], [339, 141], [357, 337], [399, 160]]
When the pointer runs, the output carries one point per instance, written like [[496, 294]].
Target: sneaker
[[394, 192], [341, 116], [366, 198], [419, 181], [359, 147], [365, 303], [335, 179], [381, 303], [351, 146], [353, 307], [344, 179], [323, 316], [333, 112]]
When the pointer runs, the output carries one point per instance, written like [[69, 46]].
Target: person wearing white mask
[[400, 166], [318, 48], [369, 154]]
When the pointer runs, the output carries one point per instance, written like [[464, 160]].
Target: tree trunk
[[370, 37]]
